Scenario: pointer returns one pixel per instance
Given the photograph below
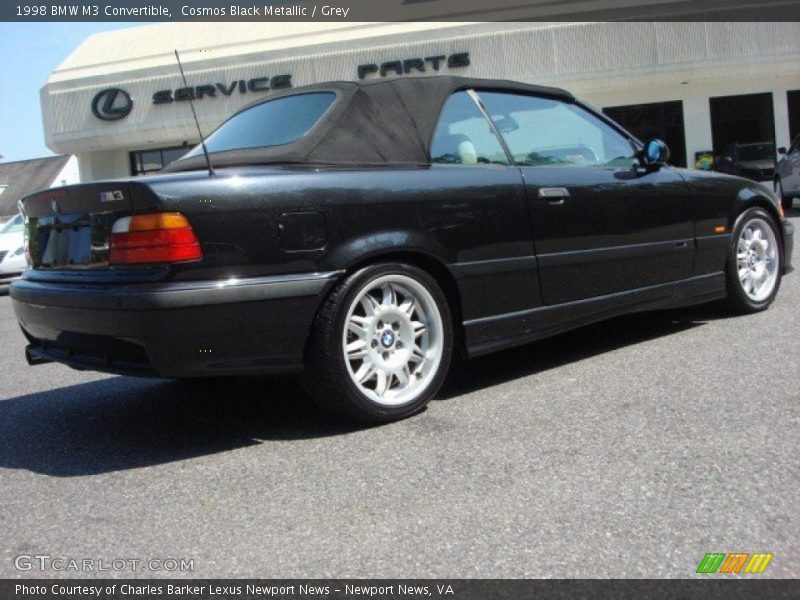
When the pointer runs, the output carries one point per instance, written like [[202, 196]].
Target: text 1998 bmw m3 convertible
[[364, 232]]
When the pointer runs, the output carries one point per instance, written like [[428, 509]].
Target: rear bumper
[[788, 246], [177, 329]]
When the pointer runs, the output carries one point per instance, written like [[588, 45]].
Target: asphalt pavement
[[626, 449]]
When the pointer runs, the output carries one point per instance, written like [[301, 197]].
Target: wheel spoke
[[383, 383], [389, 295], [743, 273], [365, 372], [357, 349], [369, 304], [419, 328], [408, 306], [403, 376], [417, 354], [420, 367], [358, 326]]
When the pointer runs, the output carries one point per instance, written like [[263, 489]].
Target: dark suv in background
[[752, 161], [787, 174]]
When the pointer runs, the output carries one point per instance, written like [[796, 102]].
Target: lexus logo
[[112, 104]]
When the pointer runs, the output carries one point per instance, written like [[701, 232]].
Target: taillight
[[153, 238]]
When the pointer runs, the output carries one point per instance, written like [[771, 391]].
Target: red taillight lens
[[153, 238]]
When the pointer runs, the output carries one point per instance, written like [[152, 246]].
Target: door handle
[[554, 195]]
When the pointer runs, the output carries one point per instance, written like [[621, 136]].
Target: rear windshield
[[272, 123]]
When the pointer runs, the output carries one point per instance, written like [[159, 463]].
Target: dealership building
[[118, 102]]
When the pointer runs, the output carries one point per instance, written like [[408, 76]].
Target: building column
[[780, 107], [103, 164], [697, 126]]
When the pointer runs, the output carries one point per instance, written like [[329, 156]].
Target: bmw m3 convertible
[[364, 233]]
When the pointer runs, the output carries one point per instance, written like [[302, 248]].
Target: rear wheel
[[786, 203], [381, 344], [754, 264]]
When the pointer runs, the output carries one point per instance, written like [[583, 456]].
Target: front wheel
[[754, 265], [381, 344]]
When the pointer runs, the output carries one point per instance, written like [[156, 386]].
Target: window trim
[[476, 100], [479, 103]]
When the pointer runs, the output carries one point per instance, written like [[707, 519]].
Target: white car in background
[[12, 250]]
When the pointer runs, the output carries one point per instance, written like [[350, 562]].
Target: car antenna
[[194, 114]]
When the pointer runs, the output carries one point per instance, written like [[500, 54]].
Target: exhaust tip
[[34, 359]]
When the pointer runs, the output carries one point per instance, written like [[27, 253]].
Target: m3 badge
[[111, 196]]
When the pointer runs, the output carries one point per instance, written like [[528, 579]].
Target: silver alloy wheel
[[393, 340], [757, 259]]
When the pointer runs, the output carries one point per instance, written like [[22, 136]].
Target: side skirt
[[497, 332]]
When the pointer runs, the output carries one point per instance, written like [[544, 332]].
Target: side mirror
[[655, 152], [782, 150]]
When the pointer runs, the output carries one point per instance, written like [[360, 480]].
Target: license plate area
[[75, 241]]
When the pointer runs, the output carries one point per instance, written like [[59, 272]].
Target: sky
[[29, 52]]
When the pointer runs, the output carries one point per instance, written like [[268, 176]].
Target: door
[[601, 224], [480, 214]]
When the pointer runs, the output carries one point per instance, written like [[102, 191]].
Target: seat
[[455, 149]]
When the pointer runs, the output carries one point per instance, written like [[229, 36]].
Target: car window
[[12, 226], [795, 145], [272, 123], [463, 135], [546, 132]]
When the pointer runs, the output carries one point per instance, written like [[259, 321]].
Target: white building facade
[[119, 104]]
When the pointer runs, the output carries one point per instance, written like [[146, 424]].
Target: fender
[[753, 194]]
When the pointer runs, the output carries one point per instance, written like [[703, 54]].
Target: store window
[[793, 102], [662, 120], [741, 120], [144, 162]]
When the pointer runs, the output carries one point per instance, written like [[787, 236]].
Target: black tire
[[738, 301], [326, 376], [786, 202]]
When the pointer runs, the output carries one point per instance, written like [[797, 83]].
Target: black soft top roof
[[378, 122]]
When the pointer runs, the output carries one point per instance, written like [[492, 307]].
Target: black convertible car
[[366, 232]]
